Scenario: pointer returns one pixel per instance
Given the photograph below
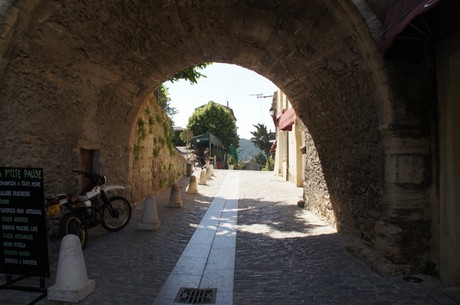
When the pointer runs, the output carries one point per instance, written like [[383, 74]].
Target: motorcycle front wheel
[[116, 214], [71, 223]]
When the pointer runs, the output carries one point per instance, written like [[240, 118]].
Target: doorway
[[90, 162]]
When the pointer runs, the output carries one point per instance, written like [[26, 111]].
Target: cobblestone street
[[284, 255]]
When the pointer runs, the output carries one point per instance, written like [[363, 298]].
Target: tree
[[260, 158], [262, 139], [164, 101], [186, 136], [191, 73], [216, 119]]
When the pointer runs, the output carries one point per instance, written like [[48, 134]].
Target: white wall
[[288, 158]]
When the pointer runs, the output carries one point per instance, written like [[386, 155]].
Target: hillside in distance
[[247, 150]]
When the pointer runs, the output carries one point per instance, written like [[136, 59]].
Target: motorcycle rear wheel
[[116, 214], [71, 223]]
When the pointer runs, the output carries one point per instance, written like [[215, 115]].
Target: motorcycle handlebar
[[95, 178]]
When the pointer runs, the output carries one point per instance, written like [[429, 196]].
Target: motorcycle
[[90, 209]]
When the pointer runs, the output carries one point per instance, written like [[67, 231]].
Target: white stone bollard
[[72, 283], [208, 172], [175, 200], [212, 170], [202, 178], [192, 187], [150, 220]]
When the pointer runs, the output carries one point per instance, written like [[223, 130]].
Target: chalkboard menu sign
[[23, 236]]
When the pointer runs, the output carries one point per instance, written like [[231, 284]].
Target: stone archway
[[75, 73]]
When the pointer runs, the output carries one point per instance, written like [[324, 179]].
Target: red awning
[[287, 119], [279, 114], [400, 14]]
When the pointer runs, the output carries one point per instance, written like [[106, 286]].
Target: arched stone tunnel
[[74, 74]]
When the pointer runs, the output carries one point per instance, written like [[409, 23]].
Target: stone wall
[[156, 163], [403, 233], [316, 195], [75, 75], [56, 99]]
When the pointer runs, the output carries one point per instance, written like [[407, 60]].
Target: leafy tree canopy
[[216, 119], [262, 138], [186, 136], [260, 158], [192, 74], [165, 101]]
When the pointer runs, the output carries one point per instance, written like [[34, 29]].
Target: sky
[[225, 83]]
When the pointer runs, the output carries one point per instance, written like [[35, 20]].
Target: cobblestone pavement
[[284, 255]]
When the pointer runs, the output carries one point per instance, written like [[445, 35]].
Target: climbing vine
[[157, 165], [153, 115]]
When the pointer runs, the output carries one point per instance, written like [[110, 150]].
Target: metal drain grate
[[196, 296]]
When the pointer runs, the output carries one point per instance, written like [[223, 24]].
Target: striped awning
[[287, 119]]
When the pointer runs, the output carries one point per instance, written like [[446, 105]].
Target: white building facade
[[290, 138]]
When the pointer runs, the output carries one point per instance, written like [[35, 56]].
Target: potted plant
[[231, 161]]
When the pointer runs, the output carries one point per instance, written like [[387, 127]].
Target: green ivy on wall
[[154, 121], [153, 114]]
